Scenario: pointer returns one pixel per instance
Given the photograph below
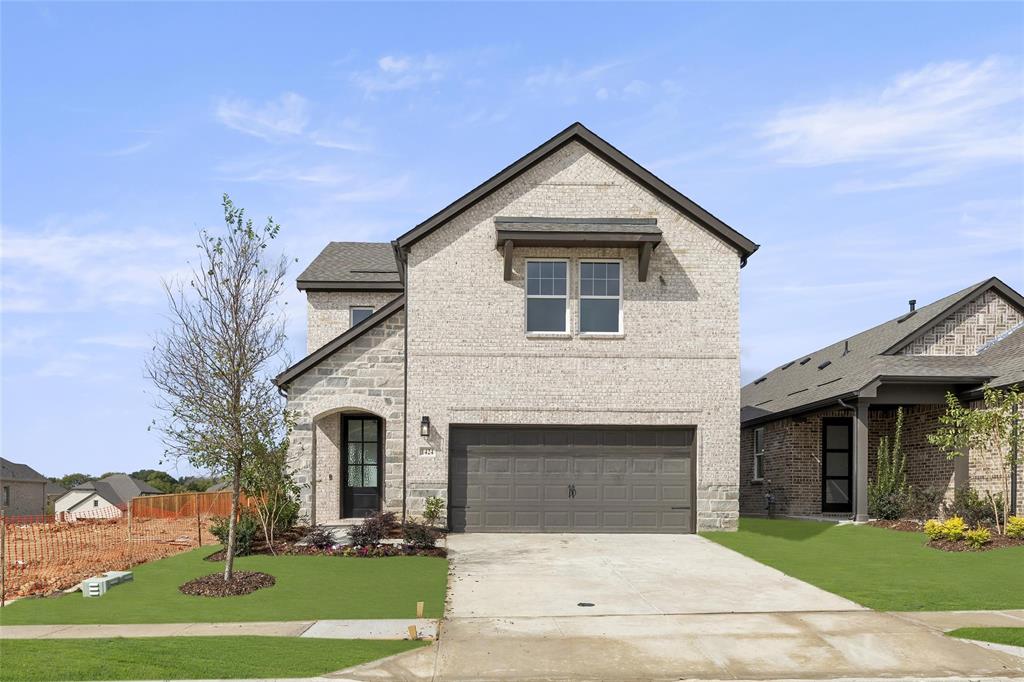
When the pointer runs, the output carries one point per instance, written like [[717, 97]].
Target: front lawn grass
[[185, 658], [308, 588], [1012, 636], [879, 568]]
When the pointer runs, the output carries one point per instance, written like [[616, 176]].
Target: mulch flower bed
[[214, 585], [905, 525], [997, 542]]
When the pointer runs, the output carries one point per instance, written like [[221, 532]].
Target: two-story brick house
[[557, 350]]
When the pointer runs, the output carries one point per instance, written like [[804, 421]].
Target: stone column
[[860, 461]]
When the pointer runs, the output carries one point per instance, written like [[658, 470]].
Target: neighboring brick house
[[22, 489], [557, 350], [811, 428]]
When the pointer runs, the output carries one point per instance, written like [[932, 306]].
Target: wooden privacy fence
[[185, 505]]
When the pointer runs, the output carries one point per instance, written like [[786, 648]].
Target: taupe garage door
[[571, 480]]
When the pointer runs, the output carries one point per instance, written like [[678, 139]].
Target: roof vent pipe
[[913, 304], [846, 347]]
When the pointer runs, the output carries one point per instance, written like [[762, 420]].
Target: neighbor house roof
[[577, 132], [54, 489], [348, 336], [847, 366], [13, 471], [117, 489], [353, 266]]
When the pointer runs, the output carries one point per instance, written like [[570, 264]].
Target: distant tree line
[[161, 480]]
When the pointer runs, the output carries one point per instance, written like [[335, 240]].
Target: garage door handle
[[572, 490], [674, 508]]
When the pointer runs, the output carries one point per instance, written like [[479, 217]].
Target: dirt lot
[[45, 557]]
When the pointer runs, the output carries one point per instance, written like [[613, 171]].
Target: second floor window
[[600, 297], [360, 313], [547, 309]]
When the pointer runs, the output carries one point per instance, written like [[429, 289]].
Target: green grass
[[882, 569], [1013, 636], [184, 658], [308, 588]]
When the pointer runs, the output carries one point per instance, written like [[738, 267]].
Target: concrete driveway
[[665, 608], [503, 575]]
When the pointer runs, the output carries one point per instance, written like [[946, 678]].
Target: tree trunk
[[229, 559]]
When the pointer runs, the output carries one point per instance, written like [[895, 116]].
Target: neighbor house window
[[600, 297], [759, 453], [7, 495], [360, 313], [547, 309], [95, 503]]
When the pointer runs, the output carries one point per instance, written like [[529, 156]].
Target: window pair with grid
[[547, 297]]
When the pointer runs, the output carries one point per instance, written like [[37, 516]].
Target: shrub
[[246, 530], [288, 517], [971, 507], [977, 537], [933, 529], [432, 512], [1015, 526], [888, 494], [924, 503], [320, 537], [419, 535], [954, 528], [373, 529]]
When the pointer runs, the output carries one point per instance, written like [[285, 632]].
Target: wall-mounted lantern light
[[424, 426]]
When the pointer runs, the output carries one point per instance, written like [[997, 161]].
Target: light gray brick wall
[[677, 362], [365, 376], [328, 312], [967, 328]]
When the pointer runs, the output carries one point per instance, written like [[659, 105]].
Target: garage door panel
[[626, 480]]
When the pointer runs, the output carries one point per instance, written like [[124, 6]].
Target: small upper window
[[546, 297], [600, 298], [7, 495], [759, 453], [360, 313], [95, 503]]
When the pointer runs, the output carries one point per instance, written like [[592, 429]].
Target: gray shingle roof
[[580, 225], [855, 362], [359, 264], [13, 471], [118, 488]]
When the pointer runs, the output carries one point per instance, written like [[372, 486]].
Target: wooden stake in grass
[[419, 609], [412, 632]]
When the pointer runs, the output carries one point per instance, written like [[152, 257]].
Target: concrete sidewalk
[[809, 645], [327, 629]]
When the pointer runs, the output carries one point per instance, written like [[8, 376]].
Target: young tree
[[992, 427], [220, 406], [888, 494]]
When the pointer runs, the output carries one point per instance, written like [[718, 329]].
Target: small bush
[[977, 537], [419, 535], [924, 503], [933, 529], [1015, 526], [971, 507], [246, 530], [373, 529], [320, 537], [432, 512], [289, 516], [954, 528]]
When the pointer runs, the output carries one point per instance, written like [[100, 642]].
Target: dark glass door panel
[[362, 465], [837, 464]]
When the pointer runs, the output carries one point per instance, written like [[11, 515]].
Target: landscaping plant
[[991, 427], [419, 535], [320, 537], [972, 507], [270, 483], [246, 529], [950, 529], [433, 510], [211, 367], [888, 494], [1015, 526], [373, 529], [978, 537], [924, 502]]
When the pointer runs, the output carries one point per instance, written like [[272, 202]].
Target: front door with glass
[[837, 464], [362, 466]]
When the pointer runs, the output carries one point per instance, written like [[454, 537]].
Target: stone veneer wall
[[365, 376], [677, 362], [328, 312], [793, 459], [967, 328]]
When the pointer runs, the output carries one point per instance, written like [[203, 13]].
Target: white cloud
[[565, 75], [286, 116], [929, 126], [61, 267], [401, 72], [118, 341], [130, 150]]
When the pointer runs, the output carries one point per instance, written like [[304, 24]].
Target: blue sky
[[875, 151]]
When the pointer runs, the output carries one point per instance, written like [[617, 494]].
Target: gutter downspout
[[1015, 468], [402, 257]]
